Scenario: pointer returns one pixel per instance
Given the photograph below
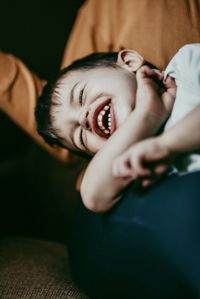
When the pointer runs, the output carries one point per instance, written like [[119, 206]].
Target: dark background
[[36, 31], [34, 196]]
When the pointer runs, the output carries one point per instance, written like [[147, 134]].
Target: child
[[95, 97]]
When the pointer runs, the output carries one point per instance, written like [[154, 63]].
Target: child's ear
[[130, 60]]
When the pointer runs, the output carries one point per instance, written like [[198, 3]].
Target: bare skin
[[140, 108], [150, 159], [139, 105], [150, 112]]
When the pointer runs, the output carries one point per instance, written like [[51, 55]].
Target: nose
[[84, 120]]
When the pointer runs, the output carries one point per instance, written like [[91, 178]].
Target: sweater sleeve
[[92, 31], [19, 90]]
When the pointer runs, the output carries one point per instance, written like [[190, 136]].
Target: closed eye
[[81, 97], [81, 137]]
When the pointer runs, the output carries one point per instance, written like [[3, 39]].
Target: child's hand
[[154, 97], [169, 95], [146, 161]]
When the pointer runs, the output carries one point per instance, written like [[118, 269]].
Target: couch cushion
[[35, 269]]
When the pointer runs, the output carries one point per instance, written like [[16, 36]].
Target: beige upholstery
[[35, 269]]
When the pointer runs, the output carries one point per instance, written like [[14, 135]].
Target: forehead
[[99, 76], [86, 74]]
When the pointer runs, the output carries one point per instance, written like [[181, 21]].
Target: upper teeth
[[100, 120]]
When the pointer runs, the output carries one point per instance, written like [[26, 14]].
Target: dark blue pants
[[147, 246]]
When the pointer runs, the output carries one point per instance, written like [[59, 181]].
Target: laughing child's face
[[93, 103]]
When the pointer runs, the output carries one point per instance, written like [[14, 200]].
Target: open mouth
[[103, 119]]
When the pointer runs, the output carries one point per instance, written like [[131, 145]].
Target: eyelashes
[[81, 100], [81, 97], [81, 129], [81, 137]]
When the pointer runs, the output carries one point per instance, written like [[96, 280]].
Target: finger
[[143, 72], [159, 156], [161, 168], [149, 182], [170, 82], [146, 71], [159, 74], [153, 76], [141, 167], [121, 168]]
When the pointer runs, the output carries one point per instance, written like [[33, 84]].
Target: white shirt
[[185, 69]]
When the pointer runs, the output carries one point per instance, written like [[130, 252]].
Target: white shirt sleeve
[[185, 68]]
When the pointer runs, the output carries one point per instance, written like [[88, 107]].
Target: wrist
[[167, 141], [152, 121]]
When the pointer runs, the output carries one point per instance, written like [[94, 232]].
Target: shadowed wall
[[34, 187]]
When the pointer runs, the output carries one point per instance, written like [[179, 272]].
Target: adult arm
[[19, 90]]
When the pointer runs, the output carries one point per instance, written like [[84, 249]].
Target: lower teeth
[[100, 120]]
